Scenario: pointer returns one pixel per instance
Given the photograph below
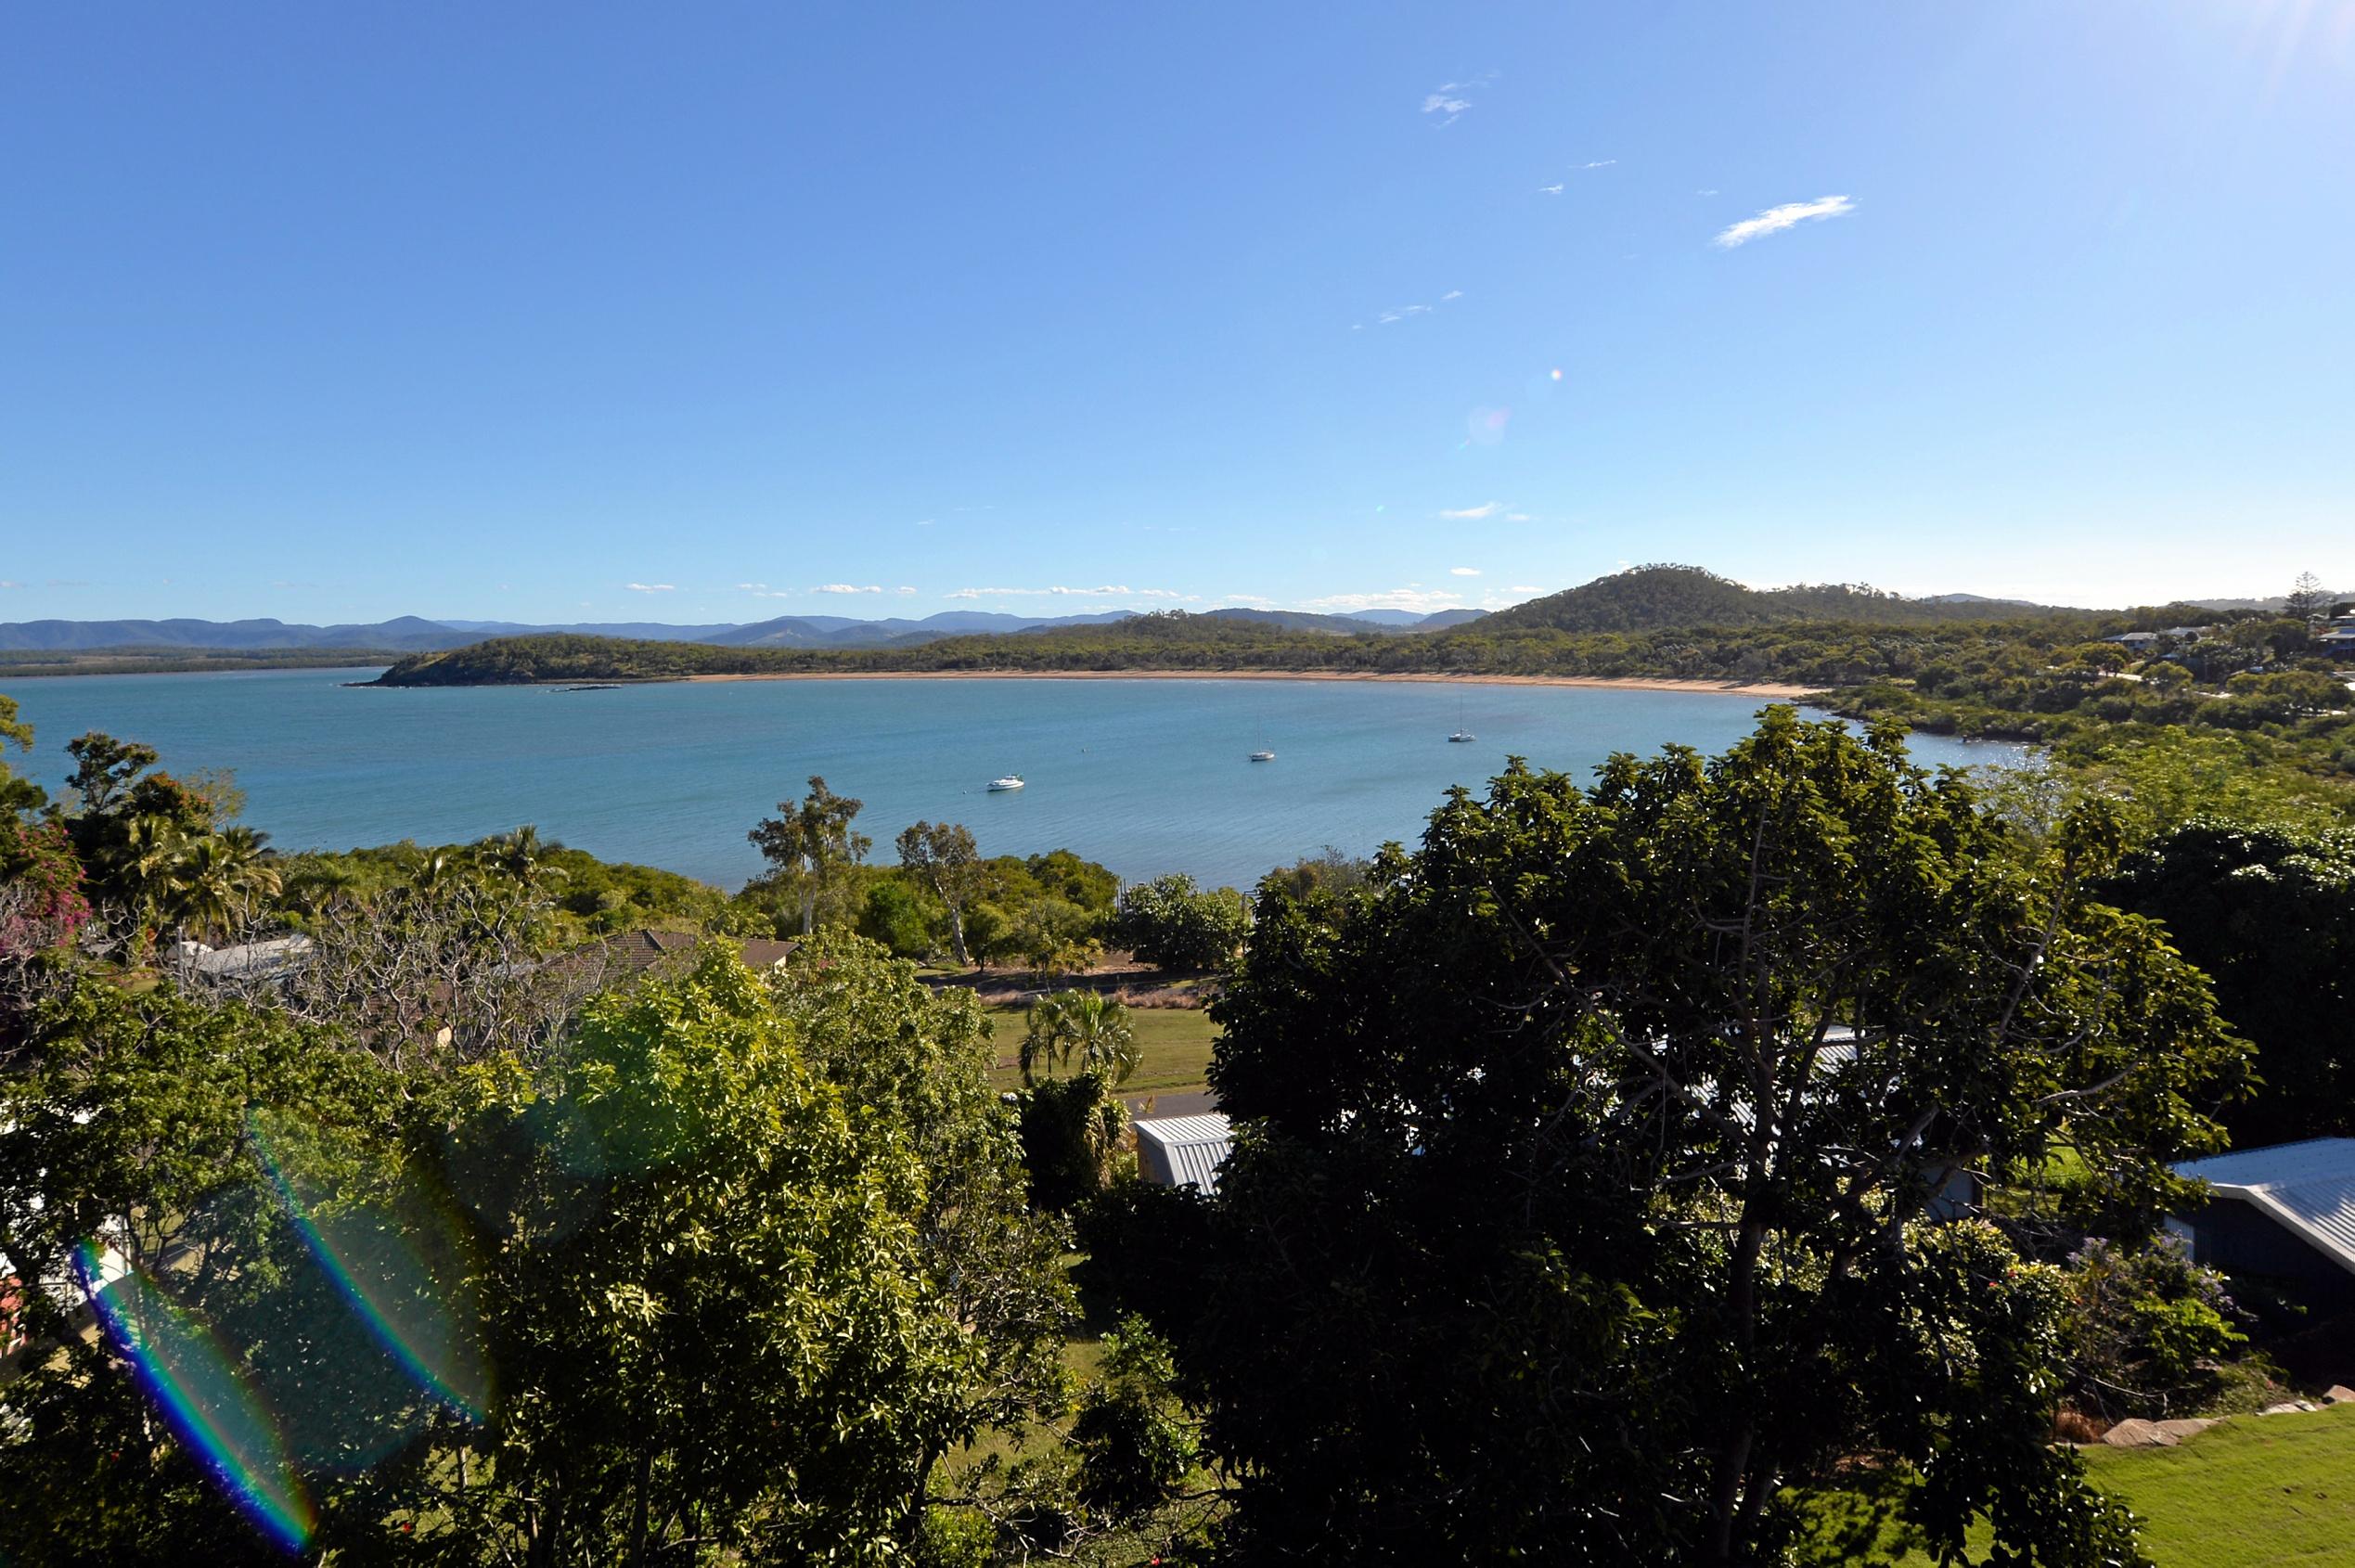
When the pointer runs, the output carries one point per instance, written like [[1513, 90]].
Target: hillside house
[[1184, 1150], [2285, 1213]]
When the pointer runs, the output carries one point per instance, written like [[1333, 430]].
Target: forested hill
[[1658, 597], [1666, 622]]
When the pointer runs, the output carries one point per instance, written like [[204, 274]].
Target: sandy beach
[[1766, 691]]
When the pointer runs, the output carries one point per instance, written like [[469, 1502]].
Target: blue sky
[[337, 312]]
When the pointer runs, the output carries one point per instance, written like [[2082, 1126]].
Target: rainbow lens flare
[[375, 1265], [192, 1379]]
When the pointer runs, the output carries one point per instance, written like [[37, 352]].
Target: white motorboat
[[1263, 756], [1011, 782]]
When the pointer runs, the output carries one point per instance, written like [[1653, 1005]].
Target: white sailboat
[[1461, 734]]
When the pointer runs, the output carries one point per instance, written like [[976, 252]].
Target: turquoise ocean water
[[1145, 776]]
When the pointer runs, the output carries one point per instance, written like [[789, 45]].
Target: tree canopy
[[1632, 1138], [2268, 910], [809, 844]]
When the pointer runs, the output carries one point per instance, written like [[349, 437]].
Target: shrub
[[1171, 923], [2145, 1329], [1071, 1131], [895, 916], [1135, 1444], [41, 901]]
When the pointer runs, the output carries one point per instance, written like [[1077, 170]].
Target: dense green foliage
[[737, 1269], [587, 896], [2269, 912], [1135, 1442], [131, 1134], [1172, 922], [1545, 1129], [1071, 1132]]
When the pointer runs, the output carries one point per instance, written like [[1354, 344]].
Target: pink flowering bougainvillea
[[41, 901]]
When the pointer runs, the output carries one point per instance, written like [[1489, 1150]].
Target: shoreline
[[1771, 692]]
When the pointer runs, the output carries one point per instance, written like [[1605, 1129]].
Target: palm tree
[[203, 895], [521, 855], [1083, 1028], [148, 869], [434, 870], [317, 886], [251, 866], [212, 884]]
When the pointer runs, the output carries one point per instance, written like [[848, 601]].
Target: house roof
[[2307, 1188], [252, 960], [629, 954], [643, 949], [1193, 1148]]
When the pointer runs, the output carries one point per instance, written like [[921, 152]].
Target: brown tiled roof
[[626, 955]]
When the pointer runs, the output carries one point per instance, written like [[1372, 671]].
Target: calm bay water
[[1145, 776]]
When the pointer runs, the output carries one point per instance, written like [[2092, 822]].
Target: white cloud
[[4, 583], [1711, 191], [1600, 164], [923, 522], [754, 587], [903, 589], [651, 588], [1550, 190], [1774, 220], [1524, 588], [1448, 99], [1423, 601], [844, 588], [1109, 590], [1442, 102], [1451, 294], [1463, 571], [1474, 514], [1518, 516]]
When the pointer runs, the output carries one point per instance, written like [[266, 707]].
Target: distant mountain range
[[1643, 598], [411, 633]]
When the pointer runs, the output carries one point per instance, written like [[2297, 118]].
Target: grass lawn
[[2264, 1489], [1176, 1042], [2256, 1491]]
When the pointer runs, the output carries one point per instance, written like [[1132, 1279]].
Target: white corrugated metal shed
[[1184, 1150], [2307, 1189]]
